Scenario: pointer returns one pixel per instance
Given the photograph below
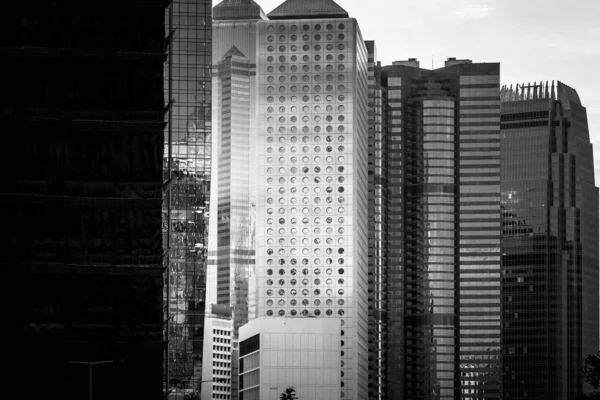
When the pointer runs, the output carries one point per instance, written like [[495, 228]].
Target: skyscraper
[[187, 171], [289, 221], [443, 230], [83, 112], [378, 220], [550, 242]]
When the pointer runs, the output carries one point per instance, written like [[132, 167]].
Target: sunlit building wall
[[217, 354], [231, 251], [312, 170], [290, 211], [278, 353]]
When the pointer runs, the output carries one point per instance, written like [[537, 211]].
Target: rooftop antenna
[[432, 61]]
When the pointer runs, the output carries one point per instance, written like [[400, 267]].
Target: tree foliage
[[591, 374], [288, 394]]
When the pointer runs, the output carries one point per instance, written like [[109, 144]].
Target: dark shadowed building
[[443, 231], [83, 119], [378, 198], [550, 242]]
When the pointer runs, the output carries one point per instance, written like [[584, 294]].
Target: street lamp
[[91, 364]]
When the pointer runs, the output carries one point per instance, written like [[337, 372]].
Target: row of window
[[304, 313], [305, 27]]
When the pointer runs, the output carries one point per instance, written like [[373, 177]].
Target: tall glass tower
[[550, 242], [187, 173], [443, 230], [289, 231]]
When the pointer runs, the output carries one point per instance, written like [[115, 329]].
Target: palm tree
[[289, 394]]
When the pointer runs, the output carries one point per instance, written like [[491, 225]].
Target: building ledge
[[93, 5], [83, 125], [24, 52]]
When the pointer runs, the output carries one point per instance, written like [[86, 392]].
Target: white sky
[[534, 40]]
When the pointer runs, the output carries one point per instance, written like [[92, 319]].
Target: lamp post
[[90, 364]]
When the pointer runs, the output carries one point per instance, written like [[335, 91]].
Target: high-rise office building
[[443, 230], [289, 210], [231, 252], [217, 354], [186, 207], [550, 242], [378, 219], [83, 117]]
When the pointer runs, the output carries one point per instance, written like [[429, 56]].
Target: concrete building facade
[[289, 231], [277, 353]]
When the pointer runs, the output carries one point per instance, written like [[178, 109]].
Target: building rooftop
[[234, 51], [238, 9], [308, 9]]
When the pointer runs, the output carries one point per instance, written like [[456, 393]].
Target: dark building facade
[[377, 175], [83, 117], [186, 207], [550, 242], [443, 231]]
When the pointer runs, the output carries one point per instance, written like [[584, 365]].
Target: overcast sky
[[534, 40]]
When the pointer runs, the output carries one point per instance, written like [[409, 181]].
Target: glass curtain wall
[[187, 171]]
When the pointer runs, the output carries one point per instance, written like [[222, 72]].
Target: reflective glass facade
[[550, 242], [443, 230], [82, 112], [187, 168], [377, 229]]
